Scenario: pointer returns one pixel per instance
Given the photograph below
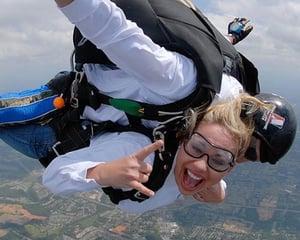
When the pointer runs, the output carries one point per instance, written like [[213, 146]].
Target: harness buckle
[[74, 102], [140, 196], [89, 125], [159, 133], [54, 148]]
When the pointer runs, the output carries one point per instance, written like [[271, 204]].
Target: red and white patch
[[273, 118]]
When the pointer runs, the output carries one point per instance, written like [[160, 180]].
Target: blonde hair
[[228, 114]]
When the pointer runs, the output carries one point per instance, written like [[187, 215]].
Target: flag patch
[[273, 118]]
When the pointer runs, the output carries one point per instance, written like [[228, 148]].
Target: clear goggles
[[218, 159]]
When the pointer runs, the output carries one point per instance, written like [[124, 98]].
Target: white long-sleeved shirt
[[146, 72]]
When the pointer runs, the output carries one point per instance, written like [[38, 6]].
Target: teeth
[[191, 175]]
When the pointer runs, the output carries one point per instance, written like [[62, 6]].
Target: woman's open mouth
[[190, 181]]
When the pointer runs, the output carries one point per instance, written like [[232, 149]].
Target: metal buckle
[[88, 125], [74, 102], [140, 196], [158, 134], [54, 148]]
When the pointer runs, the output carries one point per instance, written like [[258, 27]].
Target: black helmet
[[275, 128]]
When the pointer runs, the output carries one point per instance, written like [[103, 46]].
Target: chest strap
[[72, 136]]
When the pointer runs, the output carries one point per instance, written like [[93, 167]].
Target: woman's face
[[211, 142]]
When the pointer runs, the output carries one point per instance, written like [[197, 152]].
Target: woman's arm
[[127, 172], [112, 161]]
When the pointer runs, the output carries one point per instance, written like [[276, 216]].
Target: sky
[[36, 40]]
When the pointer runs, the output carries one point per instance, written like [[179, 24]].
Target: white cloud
[[31, 28], [35, 42], [276, 31], [274, 43]]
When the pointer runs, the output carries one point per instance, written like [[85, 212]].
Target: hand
[[239, 29], [213, 194], [127, 172]]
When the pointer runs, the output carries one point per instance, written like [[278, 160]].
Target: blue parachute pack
[[26, 106]]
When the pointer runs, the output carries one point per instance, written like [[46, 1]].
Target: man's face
[[253, 152], [205, 158]]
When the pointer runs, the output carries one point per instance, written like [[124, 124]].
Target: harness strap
[[72, 137], [200, 98], [76, 135]]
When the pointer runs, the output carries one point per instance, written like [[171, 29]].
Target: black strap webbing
[[73, 136]]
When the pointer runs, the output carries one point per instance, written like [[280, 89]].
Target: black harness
[[73, 133]]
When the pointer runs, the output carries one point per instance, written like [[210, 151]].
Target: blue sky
[[36, 40]]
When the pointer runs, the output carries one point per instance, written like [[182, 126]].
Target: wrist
[[96, 173], [231, 38]]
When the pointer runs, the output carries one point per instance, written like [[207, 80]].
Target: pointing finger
[[142, 189], [146, 151]]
